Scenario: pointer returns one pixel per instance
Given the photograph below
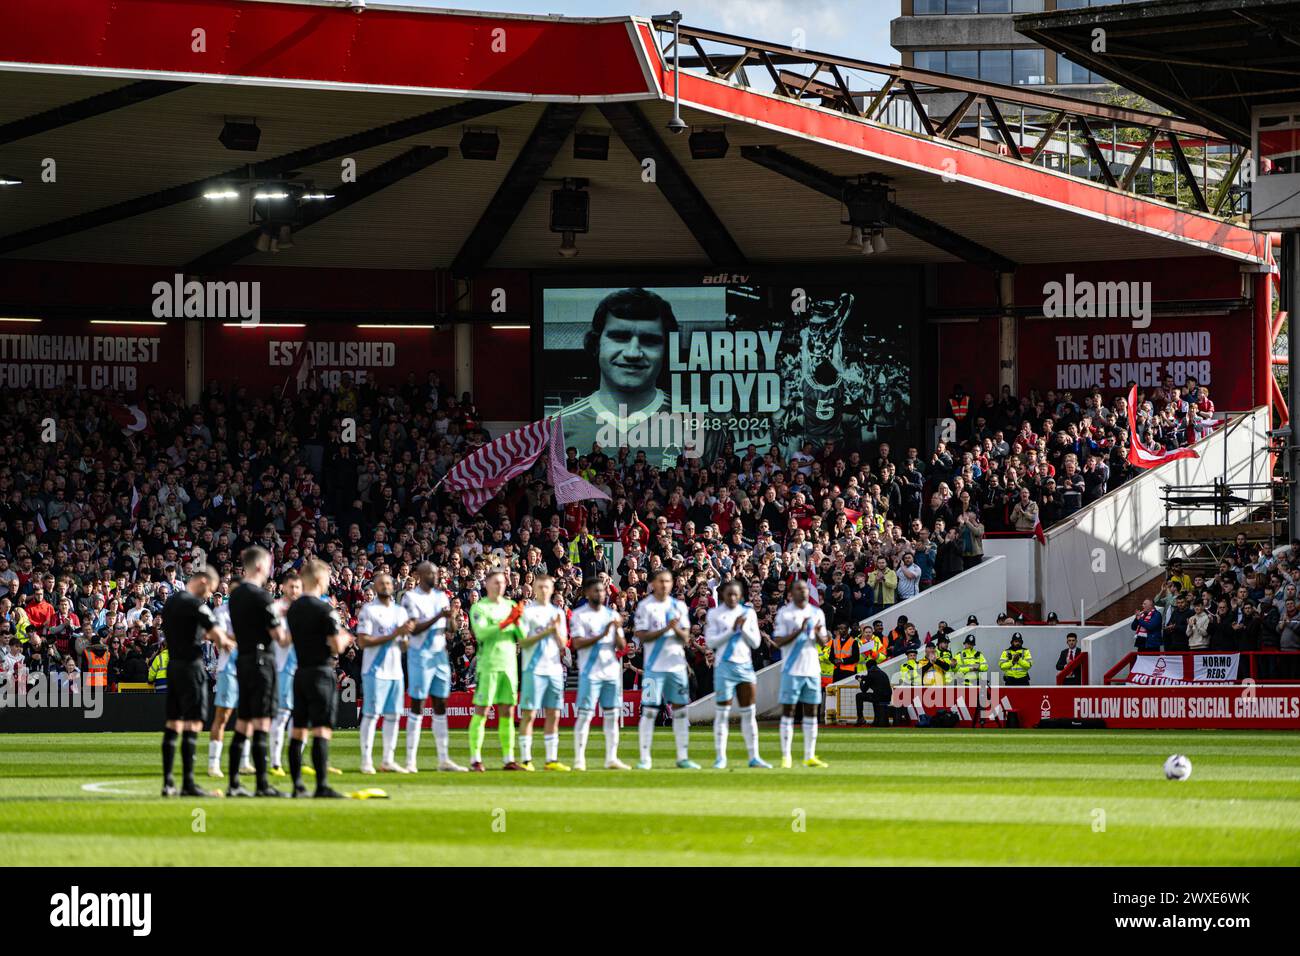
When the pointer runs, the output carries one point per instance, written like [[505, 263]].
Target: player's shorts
[[542, 692], [187, 691], [427, 675], [284, 688], [315, 697], [257, 692], [726, 675], [659, 686], [496, 687], [227, 692], [380, 695], [607, 693], [800, 690]]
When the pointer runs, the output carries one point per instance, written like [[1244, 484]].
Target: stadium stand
[[99, 526]]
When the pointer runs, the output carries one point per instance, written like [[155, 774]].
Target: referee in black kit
[[256, 625], [187, 622], [319, 638]]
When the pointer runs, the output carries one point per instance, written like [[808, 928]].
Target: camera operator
[[874, 687]]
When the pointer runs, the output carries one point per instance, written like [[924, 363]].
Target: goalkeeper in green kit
[[495, 622]]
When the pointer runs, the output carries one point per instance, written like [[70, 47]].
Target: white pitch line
[[103, 787]]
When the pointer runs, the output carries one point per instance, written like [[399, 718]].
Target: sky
[[849, 28]]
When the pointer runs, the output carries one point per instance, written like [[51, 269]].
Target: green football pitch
[[889, 797]]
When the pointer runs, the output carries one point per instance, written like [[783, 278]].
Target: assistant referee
[[318, 638], [256, 625], [187, 622]]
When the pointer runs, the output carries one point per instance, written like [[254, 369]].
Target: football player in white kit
[[662, 625], [542, 687], [286, 665], [731, 629], [379, 625], [597, 636], [428, 666], [801, 626], [225, 699]]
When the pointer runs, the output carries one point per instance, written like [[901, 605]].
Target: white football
[[1178, 767]]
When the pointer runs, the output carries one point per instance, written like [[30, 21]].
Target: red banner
[[262, 358], [98, 356], [460, 708], [1237, 707], [1078, 355]]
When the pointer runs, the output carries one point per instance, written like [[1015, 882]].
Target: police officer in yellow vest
[[1016, 661], [944, 653], [827, 665], [971, 663], [158, 669], [909, 674]]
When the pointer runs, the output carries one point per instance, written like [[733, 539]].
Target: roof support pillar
[[1008, 332]]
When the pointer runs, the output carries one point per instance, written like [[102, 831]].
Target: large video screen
[[670, 369]]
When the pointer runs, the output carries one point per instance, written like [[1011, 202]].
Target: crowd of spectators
[[99, 526]]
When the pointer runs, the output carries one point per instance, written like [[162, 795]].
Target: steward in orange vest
[[97, 658], [959, 404], [844, 653]]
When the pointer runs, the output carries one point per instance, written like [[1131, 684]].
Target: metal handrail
[[1070, 124]]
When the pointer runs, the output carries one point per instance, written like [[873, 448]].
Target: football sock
[[189, 745], [580, 731], [368, 741], [441, 737], [720, 728], [477, 733], [392, 725], [809, 737], [609, 722], [261, 749], [645, 731], [169, 756], [295, 761], [236, 755], [682, 733], [749, 729], [320, 759], [506, 734], [787, 735], [414, 718]]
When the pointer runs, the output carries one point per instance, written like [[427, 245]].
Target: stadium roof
[[1209, 60], [128, 99]]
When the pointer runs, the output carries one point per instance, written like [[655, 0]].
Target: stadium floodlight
[[269, 196], [479, 144], [8, 180], [241, 135], [709, 143], [216, 195], [315, 197]]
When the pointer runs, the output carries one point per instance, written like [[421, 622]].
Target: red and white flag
[[1138, 454], [481, 475], [478, 477], [1038, 529], [299, 376], [130, 417], [568, 486]]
